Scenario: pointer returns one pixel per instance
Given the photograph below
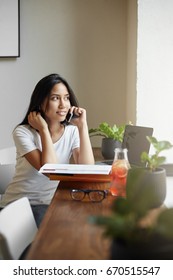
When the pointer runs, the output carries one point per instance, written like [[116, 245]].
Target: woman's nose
[[62, 102]]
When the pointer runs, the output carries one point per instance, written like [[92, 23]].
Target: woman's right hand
[[36, 121], [36, 157]]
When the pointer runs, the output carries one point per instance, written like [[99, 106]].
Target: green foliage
[[124, 222], [153, 161], [105, 130]]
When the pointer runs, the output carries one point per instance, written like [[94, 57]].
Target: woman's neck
[[56, 131]]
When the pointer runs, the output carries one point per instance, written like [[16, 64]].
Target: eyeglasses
[[94, 195]]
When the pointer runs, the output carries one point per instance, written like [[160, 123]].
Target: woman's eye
[[54, 98], [67, 98]]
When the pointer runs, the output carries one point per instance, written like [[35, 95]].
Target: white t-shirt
[[27, 180]]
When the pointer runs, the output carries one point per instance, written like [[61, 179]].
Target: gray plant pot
[[108, 147], [146, 187]]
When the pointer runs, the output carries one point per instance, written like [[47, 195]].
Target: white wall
[[83, 40], [155, 68]]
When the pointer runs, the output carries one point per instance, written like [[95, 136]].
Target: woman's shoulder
[[23, 129]]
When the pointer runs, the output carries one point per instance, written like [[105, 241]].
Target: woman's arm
[[48, 155], [84, 154]]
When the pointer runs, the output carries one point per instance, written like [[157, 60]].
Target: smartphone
[[69, 117]]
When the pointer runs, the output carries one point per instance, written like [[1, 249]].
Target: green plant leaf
[[145, 157], [104, 127], [159, 145], [152, 140], [160, 160], [163, 145], [121, 206], [153, 161], [165, 223], [116, 226], [105, 130]]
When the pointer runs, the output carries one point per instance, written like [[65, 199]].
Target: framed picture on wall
[[9, 28]]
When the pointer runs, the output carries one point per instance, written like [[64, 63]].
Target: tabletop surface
[[66, 232]]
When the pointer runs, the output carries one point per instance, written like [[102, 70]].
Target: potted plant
[[112, 137], [155, 160], [132, 236], [151, 177]]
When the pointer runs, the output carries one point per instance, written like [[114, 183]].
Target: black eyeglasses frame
[[88, 191]]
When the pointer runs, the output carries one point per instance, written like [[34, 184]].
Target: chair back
[[17, 228], [6, 175], [8, 155], [7, 167]]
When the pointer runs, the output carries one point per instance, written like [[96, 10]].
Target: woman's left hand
[[83, 154], [81, 115]]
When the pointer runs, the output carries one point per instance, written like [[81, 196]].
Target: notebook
[[136, 142]]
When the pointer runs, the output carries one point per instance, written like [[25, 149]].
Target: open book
[[80, 172]]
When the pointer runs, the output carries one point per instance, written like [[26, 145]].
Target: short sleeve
[[24, 139]]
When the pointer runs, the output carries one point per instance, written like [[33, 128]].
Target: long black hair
[[42, 91]]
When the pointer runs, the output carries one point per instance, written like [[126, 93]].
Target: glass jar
[[119, 171]]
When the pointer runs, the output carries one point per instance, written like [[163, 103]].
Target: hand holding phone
[[71, 116]]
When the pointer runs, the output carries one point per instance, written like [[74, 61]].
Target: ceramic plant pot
[[108, 147], [147, 187], [156, 248]]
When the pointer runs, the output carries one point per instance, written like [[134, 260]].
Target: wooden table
[[66, 233]]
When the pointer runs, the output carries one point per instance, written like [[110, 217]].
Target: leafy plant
[[105, 130], [125, 222], [153, 161]]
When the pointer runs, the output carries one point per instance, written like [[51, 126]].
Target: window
[[155, 68]]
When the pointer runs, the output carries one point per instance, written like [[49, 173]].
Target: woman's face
[[57, 105]]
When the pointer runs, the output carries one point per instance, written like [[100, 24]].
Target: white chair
[[7, 167], [8, 155], [17, 228], [6, 175]]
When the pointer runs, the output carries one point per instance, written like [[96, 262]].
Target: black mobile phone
[[69, 117]]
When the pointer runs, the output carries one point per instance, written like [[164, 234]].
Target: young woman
[[43, 137]]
